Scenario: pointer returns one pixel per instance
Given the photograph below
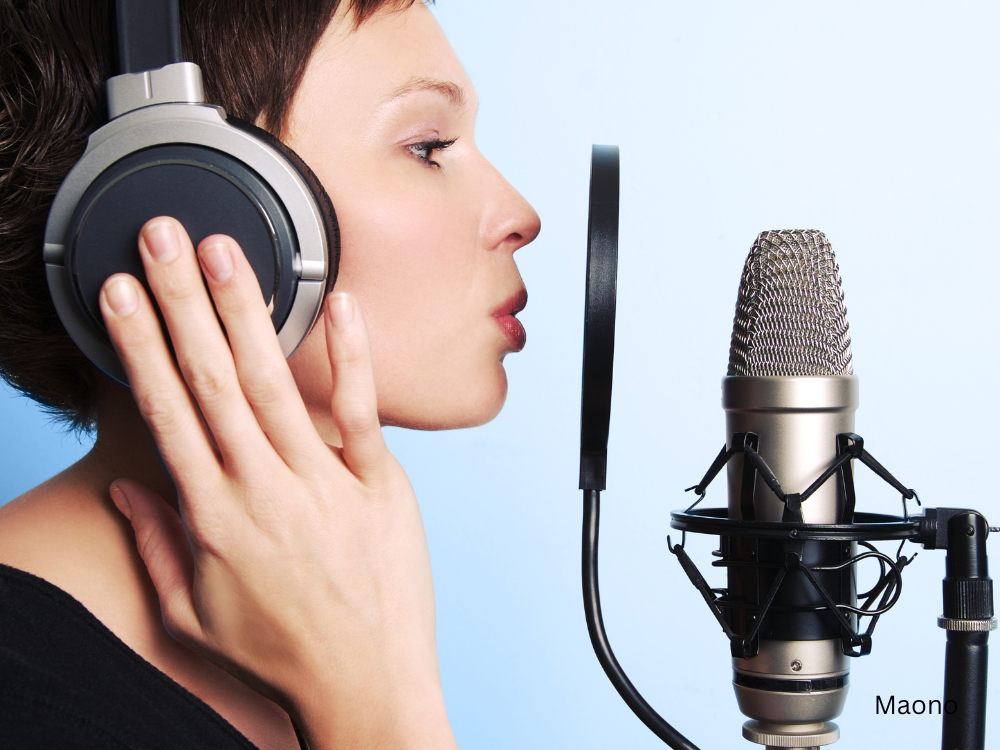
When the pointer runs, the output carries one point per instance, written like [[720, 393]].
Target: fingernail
[[121, 501], [217, 261], [341, 310], [161, 241], [121, 297]]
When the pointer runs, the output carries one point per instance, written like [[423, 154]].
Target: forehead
[[393, 54]]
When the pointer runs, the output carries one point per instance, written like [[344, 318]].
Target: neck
[[124, 445]]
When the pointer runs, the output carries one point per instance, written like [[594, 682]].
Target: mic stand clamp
[[968, 617]]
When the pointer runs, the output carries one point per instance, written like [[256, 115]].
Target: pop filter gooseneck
[[595, 417]]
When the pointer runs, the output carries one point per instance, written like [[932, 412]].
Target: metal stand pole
[[968, 618]]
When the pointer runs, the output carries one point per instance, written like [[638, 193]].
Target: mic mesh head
[[790, 313]]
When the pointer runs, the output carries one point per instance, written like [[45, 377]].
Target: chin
[[453, 411]]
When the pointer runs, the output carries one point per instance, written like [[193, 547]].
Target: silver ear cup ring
[[292, 214]]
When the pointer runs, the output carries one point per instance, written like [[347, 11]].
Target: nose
[[509, 222]]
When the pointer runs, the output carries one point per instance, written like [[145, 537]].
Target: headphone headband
[[148, 33], [150, 62]]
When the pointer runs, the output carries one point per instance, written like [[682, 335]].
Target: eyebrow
[[452, 91]]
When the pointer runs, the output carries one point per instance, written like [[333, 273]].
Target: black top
[[66, 681]]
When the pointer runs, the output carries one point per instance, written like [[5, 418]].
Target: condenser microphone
[[790, 391]]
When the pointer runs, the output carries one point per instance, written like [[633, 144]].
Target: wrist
[[407, 715]]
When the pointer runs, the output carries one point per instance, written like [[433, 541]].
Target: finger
[[159, 392], [203, 355], [261, 368], [353, 402], [164, 549]]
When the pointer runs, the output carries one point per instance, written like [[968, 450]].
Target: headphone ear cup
[[214, 175], [208, 192], [331, 226]]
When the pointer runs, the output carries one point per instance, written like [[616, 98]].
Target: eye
[[424, 151]]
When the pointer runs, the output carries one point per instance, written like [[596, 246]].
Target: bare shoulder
[[65, 532], [68, 532]]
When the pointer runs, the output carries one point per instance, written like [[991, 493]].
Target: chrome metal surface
[[968, 626], [794, 662], [798, 420], [790, 708], [172, 84], [815, 659], [803, 737], [790, 314]]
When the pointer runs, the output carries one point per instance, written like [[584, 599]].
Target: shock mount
[[804, 571]]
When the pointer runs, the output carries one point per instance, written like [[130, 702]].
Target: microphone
[[790, 385], [789, 537]]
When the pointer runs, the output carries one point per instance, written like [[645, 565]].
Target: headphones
[[165, 151]]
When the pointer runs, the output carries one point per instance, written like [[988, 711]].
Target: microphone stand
[[968, 619]]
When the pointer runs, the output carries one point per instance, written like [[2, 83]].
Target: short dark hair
[[55, 56]]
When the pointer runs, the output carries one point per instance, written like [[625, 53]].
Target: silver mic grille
[[790, 313]]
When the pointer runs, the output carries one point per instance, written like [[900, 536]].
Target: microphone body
[[797, 420], [798, 681], [790, 384]]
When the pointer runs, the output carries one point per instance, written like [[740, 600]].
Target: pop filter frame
[[599, 316]]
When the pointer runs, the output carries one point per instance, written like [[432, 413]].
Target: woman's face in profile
[[385, 116]]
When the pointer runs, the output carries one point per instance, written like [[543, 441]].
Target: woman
[[301, 569]]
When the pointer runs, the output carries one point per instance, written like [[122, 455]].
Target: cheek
[[410, 253], [414, 266], [413, 257]]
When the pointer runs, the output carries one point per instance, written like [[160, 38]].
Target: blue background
[[874, 122]]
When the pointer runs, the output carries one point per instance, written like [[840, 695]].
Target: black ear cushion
[[330, 225]]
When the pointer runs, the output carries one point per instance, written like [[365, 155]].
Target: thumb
[[163, 547], [353, 403]]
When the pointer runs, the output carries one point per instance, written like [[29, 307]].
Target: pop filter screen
[[599, 317]]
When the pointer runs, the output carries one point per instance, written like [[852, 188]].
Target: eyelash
[[424, 151]]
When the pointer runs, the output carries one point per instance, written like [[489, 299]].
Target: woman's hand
[[299, 567]]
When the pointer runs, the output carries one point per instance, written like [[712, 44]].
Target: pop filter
[[595, 418], [599, 317]]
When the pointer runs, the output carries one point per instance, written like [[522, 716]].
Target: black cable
[[599, 638]]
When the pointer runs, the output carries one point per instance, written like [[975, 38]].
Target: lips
[[510, 325]]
